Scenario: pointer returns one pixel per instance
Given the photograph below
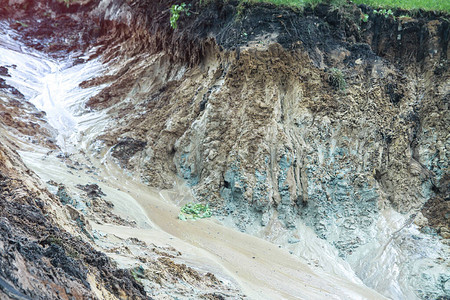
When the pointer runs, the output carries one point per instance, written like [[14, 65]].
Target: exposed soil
[[161, 272], [271, 115], [51, 26], [232, 26], [275, 115], [22, 118], [437, 209], [127, 148], [40, 260], [232, 41]]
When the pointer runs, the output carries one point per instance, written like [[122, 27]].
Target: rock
[[63, 195], [126, 148], [92, 190]]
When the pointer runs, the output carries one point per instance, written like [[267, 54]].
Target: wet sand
[[263, 270]]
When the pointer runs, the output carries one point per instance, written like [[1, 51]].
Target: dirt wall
[[275, 115]]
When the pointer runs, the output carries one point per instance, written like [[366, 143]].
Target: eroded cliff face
[[258, 124], [275, 117], [280, 118]]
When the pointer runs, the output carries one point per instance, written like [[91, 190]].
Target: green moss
[[51, 239], [194, 211]]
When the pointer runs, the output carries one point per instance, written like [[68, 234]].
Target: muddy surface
[[41, 260]]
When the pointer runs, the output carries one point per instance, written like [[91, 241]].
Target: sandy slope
[[261, 269]]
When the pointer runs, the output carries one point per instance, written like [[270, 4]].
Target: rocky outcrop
[[304, 142]]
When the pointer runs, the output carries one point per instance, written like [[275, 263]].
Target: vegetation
[[194, 211], [381, 7], [175, 12], [439, 5], [386, 13], [67, 2], [336, 79], [365, 18], [22, 24]]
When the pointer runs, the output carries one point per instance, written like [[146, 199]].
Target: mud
[[161, 270]]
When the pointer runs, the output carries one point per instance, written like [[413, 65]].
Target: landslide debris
[[41, 260]]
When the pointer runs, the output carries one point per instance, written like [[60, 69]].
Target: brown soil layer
[[22, 118], [52, 26], [437, 209], [259, 65]]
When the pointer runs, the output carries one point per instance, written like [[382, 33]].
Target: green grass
[[337, 79], [438, 5]]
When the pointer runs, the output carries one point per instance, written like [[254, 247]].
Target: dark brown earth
[[51, 26], [437, 209]]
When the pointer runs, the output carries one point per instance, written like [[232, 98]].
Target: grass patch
[[438, 5], [194, 211], [290, 3]]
